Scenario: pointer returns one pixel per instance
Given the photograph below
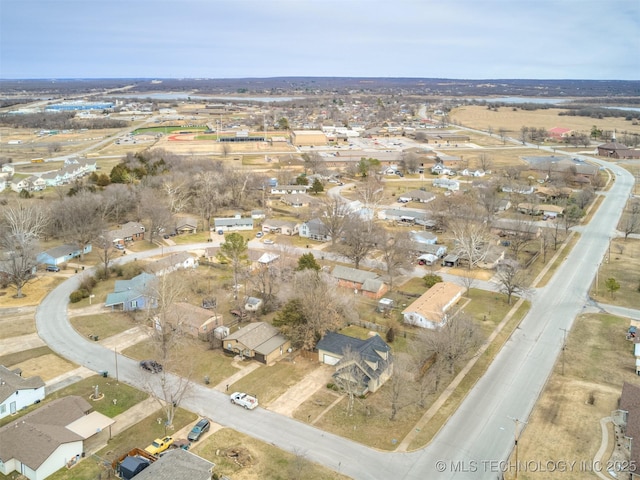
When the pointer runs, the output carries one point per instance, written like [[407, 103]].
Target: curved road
[[475, 438]]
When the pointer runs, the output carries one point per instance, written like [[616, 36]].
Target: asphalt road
[[475, 439]]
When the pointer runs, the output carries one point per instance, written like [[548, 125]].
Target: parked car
[[220, 232], [119, 246], [249, 402], [259, 235], [268, 241], [201, 427], [159, 445], [52, 268], [151, 366]]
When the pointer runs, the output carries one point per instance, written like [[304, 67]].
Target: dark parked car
[[52, 268], [201, 427], [151, 366]]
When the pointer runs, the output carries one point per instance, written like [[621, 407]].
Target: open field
[[482, 118], [565, 424], [622, 263]]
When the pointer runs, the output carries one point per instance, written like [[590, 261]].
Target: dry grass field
[[482, 118], [623, 265], [565, 422], [46, 366], [33, 292]]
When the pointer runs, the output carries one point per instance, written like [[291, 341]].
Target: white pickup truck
[[244, 400]]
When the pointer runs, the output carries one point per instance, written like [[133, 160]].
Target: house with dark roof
[[17, 392], [369, 361], [178, 464], [51, 437], [192, 320], [127, 233], [368, 283], [186, 225], [134, 294], [260, 341], [617, 150]]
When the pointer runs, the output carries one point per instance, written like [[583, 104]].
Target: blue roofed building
[[134, 294], [62, 254]]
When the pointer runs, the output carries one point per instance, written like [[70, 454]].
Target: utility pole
[[564, 346], [516, 436], [115, 352]]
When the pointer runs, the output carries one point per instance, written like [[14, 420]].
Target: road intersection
[[479, 434]]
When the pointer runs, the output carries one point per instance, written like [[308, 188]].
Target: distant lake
[[185, 96]]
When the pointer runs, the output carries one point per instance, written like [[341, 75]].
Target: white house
[[51, 437], [430, 309], [289, 189], [232, 224], [452, 185], [175, 261], [17, 393]]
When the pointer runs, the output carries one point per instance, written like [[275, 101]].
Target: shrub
[[431, 279], [75, 296], [391, 335]]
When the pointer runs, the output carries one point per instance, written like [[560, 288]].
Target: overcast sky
[[462, 39]]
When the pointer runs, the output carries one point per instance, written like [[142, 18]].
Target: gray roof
[[316, 227], [171, 261], [129, 229], [233, 222], [34, 437], [372, 285], [351, 274], [254, 334], [11, 382], [373, 349], [177, 464], [62, 250], [127, 290]]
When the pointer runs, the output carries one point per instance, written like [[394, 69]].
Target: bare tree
[[359, 240], [485, 162], [472, 238], [502, 132], [525, 232], [208, 193], [104, 247], [396, 248], [80, 218], [371, 191], [155, 211], [630, 222], [168, 390], [512, 278], [351, 378], [177, 194], [451, 342], [334, 215], [234, 251], [118, 199], [19, 258], [398, 389], [313, 162]]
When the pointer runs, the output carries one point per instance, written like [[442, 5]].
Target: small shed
[[385, 304], [450, 260]]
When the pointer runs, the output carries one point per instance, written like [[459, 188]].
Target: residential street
[[482, 430]]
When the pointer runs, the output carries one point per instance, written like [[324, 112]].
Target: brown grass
[[33, 292], [564, 425], [103, 325], [269, 462], [623, 265], [46, 366], [15, 324], [482, 118]]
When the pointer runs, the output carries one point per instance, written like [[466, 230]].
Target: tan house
[[260, 341], [430, 309], [192, 320]]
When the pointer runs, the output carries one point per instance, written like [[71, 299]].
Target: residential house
[[17, 392], [51, 437], [368, 363], [171, 263], [431, 309], [315, 230], [504, 205], [559, 133], [52, 179], [440, 169], [178, 464], [505, 227], [551, 194], [62, 254], [134, 294], [417, 196], [428, 248], [8, 168], [451, 185], [186, 225], [127, 233], [289, 189], [495, 255], [368, 283], [234, 223], [298, 200], [260, 341], [283, 227], [424, 237], [258, 214], [192, 320], [628, 419], [267, 259], [407, 216]]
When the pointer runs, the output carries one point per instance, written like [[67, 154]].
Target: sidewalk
[[125, 339]]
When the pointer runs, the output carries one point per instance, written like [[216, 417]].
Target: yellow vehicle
[[37, 160], [159, 445]]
